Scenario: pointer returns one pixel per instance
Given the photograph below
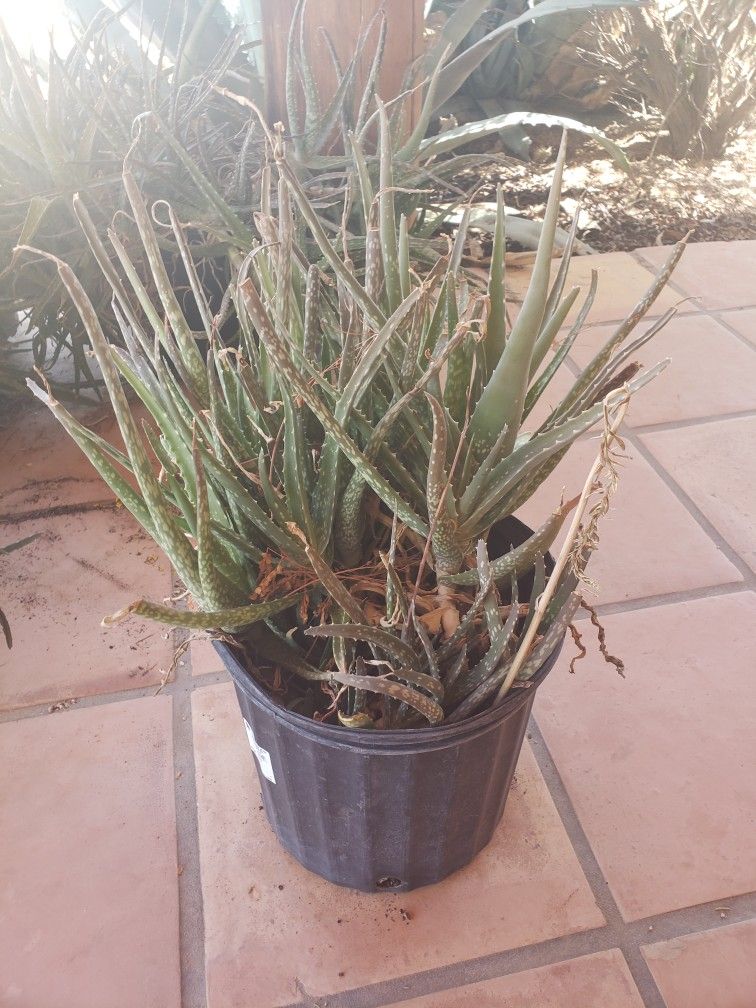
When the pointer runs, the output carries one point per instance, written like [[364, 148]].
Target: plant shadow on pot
[[387, 811]]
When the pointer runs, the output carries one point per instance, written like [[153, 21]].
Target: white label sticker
[[263, 756]]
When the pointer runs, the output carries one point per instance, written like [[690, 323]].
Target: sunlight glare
[[30, 24]]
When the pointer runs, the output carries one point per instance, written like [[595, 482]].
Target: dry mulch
[[657, 204]]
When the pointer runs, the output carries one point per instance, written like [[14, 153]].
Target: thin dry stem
[[615, 408]]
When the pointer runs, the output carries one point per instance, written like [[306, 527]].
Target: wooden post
[[343, 20]]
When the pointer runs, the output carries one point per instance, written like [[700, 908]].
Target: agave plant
[[502, 53], [327, 486], [546, 60], [693, 62]]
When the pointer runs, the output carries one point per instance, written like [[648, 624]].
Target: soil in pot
[[324, 702], [382, 810]]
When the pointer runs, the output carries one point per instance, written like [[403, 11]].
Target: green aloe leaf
[[296, 468], [166, 530], [225, 619], [190, 355], [387, 214], [364, 373], [530, 456], [538, 656], [496, 323], [323, 130], [481, 674], [231, 221], [521, 558], [550, 330], [332, 583], [442, 512], [103, 260], [371, 81], [541, 383], [410, 149], [372, 312], [397, 691], [619, 335], [459, 136], [120, 486], [549, 641], [502, 400], [388, 643], [289, 373], [349, 525], [461, 19], [213, 594]]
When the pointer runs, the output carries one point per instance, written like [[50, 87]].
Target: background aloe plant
[[67, 125], [326, 483]]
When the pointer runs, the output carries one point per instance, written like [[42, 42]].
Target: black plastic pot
[[383, 810]]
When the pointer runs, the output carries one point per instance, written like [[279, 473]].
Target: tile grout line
[[666, 926], [442, 978], [673, 598], [627, 936], [630, 936], [634, 438], [673, 283], [718, 316], [64, 704], [713, 313], [672, 425], [599, 885], [692, 508], [669, 925], [190, 899], [631, 435], [465, 973]]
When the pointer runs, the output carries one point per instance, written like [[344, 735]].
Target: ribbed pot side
[[383, 810]]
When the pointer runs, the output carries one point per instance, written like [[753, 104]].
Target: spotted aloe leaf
[[530, 456], [620, 334], [99, 458], [448, 551], [364, 373], [224, 619], [502, 400], [520, 558], [164, 525], [287, 370], [425, 705], [484, 675], [387, 215], [397, 650]]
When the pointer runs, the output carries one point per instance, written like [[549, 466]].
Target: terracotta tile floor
[[259, 902], [136, 867], [711, 969]]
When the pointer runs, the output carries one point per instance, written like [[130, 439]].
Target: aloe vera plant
[[325, 486]]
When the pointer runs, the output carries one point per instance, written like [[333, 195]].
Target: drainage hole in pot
[[387, 882]]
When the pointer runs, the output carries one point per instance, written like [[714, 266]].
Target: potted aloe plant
[[336, 489]]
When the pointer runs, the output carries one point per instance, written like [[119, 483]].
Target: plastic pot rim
[[383, 739]]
